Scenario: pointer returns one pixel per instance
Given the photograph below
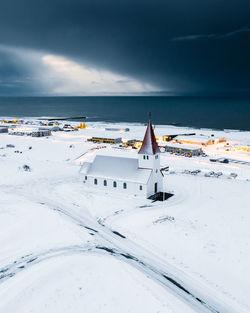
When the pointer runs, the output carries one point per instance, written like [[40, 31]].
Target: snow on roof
[[107, 136], [117, 152], [202, 139], [120, 168], [85, 167], [182, 146], [149, 144]]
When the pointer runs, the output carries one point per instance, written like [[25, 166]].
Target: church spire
[[149, 144]]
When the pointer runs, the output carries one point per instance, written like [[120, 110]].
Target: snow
[[84, 282], [207, 235], [180, 145], [118, 168], [53, 230], [202, 139]]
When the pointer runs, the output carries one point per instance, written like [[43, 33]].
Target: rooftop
[[149, 144], [120, 168], [202, 139], [182, 146], [107, 137]]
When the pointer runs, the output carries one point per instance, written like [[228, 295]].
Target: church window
[[124, 185], [105, 182], [156, 157], [156, 171], [95, 181], [140, 187], [115, 184], [86, 177], [147, 157], [144, 157]]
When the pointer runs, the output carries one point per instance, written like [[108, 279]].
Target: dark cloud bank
[[189, 47]]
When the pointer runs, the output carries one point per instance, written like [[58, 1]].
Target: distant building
[[129, 143], [23, 131], [238, 147], [187, 150], [122, 130], [133, 143], [173, 136], [168, 137], [139, 176], [111, 140], [19, 133], [54, 128], [41, 133], [3, 129], [199, 140]]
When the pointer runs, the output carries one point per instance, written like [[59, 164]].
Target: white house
[[139, 176]]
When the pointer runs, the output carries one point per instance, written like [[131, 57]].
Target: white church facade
[[140, 176]]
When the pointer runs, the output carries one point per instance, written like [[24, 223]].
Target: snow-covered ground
[[66, 248]]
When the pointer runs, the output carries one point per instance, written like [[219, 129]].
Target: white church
[[139, 176]]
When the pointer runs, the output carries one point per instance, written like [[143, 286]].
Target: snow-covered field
[[67, 249]]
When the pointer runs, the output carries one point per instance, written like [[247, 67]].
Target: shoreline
[[100, 122]]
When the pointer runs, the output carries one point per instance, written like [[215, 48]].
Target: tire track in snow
[[185, 288], [30, 259]]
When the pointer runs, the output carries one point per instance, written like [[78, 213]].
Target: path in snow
[[199, 297]]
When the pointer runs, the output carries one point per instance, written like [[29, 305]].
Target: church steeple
[[149, 158], [149, 144]]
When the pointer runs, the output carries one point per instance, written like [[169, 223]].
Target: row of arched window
[[114, 183], [105, 183]]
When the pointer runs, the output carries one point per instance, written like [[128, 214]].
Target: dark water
[[211, 112]]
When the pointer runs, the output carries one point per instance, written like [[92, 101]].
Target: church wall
[[153, 162], [149, 161], [156, 177], [132, 187]]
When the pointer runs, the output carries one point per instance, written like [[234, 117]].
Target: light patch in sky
[[72, 78]]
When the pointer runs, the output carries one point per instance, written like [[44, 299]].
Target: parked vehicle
[[195, 172], [232, 176], [213, 160]]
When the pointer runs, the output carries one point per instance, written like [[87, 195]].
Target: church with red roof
[[137, 176]]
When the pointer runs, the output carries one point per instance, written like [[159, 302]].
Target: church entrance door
[[155, 187]]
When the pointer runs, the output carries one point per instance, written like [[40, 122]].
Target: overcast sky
[[82, 47]]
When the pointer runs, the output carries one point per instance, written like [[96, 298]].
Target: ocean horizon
[[188, 111]]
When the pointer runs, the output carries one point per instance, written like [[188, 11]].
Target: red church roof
[[149, 144]]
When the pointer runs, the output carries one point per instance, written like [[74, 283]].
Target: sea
[[198, 112]]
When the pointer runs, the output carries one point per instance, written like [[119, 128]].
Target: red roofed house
[[139, 176]]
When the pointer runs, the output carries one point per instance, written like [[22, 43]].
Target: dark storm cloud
[[135, 38], [213, 36], [14, 77]]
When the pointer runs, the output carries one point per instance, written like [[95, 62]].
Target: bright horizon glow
[[54, 75], [73, 78]]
